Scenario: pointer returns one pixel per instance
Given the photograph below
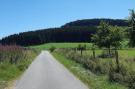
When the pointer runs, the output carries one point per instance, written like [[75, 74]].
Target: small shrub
[[105, 54], [131, 80], [52, 48], [123, 76], [91, 65], [117, 77], [22, 67], [134, 59], [81, 48]]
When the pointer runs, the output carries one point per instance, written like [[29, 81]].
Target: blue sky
[[26, 15]]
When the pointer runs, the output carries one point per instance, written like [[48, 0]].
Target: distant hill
[[96, 22], [77, 31], [72, 34]]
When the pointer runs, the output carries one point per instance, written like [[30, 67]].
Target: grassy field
[[125, 53], [91, 80], [59, 45]]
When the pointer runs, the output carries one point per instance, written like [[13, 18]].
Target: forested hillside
[[74, 34], [96, 22], [78, 31]]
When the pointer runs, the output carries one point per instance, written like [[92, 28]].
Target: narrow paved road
[[46, 73]]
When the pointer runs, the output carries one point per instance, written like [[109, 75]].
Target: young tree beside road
[[109, 37]]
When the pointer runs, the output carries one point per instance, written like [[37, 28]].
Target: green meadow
[[59, 45]]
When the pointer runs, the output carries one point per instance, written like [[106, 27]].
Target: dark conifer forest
[[77, 31]]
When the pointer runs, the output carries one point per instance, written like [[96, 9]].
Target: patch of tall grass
[[104, 65], [13, 61], [92, 80]]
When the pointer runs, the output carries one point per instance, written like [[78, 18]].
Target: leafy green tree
[[52, 48], [102, 37], [116, 36], [109, 36], [132, 28]]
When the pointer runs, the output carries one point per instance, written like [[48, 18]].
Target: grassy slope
[[93, 81], [59, 45]]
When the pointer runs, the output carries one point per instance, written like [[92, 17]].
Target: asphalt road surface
[[47, 73]]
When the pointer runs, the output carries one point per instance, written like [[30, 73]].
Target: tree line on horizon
[[77, 31]]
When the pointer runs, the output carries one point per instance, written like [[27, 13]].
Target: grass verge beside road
[[9, 72], [91, 80]]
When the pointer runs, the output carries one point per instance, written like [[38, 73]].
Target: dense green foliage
[[132, 28], [101, 38], [108, 36]]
